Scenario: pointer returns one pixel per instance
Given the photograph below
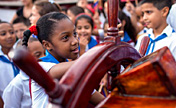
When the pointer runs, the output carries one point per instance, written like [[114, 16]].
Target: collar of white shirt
[[168, 31]]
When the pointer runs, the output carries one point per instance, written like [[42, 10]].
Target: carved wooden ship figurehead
[[148, 82]]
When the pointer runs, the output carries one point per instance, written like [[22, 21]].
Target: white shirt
[[171, 19], [169, 41], [16, 94], [6, 73], [39, 97]]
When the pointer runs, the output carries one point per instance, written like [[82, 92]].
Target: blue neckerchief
[[50, 58], [164, 35], [173, 31], [126, 37], [92, 42], [157, 39], [15, 68]]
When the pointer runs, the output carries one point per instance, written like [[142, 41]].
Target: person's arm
[[96, 98], [58, 70], [1, 103]]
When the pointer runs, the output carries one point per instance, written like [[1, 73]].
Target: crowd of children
[[61, 37]]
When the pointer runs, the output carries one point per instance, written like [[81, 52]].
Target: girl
[[58, 36], [129, 35], [41, 8], [19, 86], [84, 27], [8, 69]]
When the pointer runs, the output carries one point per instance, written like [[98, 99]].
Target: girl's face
[[36, 49], [34, 15], [64, 41], [84, 28], [7, 36]]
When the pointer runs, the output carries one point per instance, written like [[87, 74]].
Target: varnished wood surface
[[154, 77], [144, 45], [131, 101]]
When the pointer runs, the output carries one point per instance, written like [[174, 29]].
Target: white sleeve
[[39, 97], [171, 17], [46, 65], [12, 95]]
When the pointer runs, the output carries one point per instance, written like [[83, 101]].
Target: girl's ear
[[47, 45], [165, 11]]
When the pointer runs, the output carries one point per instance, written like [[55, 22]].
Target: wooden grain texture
[[114, 100], [144, 45], [154, 77]]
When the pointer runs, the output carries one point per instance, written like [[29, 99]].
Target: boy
[[20, 25], [160, 33]]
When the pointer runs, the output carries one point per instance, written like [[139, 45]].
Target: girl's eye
[[75, 34], [87, 27], [3, 33], [65, 37], [79, 28]]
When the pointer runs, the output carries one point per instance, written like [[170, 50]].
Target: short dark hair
[[76, 10], [21, 19], [159, 4]]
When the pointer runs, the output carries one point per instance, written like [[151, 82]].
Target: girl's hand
[[82, 43], [120, 32]]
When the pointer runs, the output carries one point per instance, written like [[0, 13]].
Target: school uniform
[[167, 38], [171, 17], [39, 97], [8, 71], [16, 94], [127, 39], [91, 44], [142, 32]]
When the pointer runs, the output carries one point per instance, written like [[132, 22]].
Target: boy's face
[[71, 16], [7, 36], [19, 28], [152, 17], [64, 41], [84, 29]]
